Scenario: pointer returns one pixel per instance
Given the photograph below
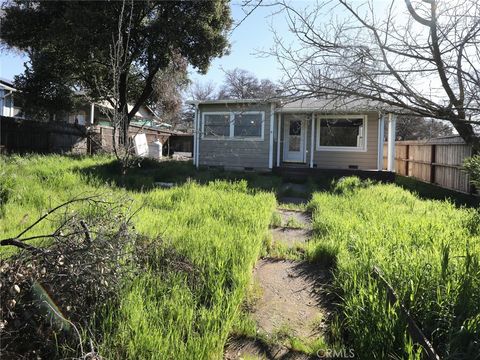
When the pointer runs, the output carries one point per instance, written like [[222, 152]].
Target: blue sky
[[252, 35]]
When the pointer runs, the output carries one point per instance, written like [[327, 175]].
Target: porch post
[[381, 140], [272, 127], [312, 139], [279, 136], [392, 122]]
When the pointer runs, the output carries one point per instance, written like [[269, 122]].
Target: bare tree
[[420, 58], [118, 119], [415, 128], [242, 84], [202, 91]]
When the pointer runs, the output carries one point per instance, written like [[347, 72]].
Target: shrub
[[348, 185], [472, 166]]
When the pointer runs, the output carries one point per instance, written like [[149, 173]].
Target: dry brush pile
[[53, 295]]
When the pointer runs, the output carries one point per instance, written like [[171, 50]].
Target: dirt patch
[[292, 200], [291, 298], [290, 236], [292, 217]]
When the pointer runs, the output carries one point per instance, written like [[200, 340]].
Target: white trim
[[312, 140], [271, 127], [381, 136], [231, 136], [392, 123], [342, 148], [197, 152], [303, 140], [195, 133], [279, 137]]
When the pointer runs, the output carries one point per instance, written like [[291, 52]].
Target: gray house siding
[[235, 154]]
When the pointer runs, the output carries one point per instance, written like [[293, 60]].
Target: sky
[[246, 40]]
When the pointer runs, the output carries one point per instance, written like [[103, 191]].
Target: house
[[252, 134], [87, 114], [8, 94]]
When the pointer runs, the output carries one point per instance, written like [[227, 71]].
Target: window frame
[[362, 148], [232, 136], [214, 137]]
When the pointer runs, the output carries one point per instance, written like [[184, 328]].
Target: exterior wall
[[365, 160], [343, 159], [235, 154]]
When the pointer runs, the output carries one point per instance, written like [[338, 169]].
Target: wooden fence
[[436, 161], [24, 136]]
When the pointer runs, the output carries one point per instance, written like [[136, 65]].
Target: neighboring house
[[263, 135], [94, 114], [7, 99]]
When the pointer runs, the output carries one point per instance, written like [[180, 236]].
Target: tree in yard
[[73, 44], [201, 91], [420, 58], [241, 84], [415, 128]]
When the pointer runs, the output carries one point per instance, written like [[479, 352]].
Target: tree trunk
[[466, 131]]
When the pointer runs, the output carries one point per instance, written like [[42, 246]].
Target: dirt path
[[291, 301]]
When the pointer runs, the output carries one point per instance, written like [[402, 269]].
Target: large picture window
[[217, 125], [234, 125], [247, 125], [341, 133]]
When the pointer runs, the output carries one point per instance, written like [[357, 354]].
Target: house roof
[[328, 105], [333, 105], [230, 101], [7, 84]]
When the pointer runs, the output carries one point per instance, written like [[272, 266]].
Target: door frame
[[303, 139]]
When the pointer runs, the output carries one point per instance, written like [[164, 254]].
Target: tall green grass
[[218, 228], [428, 250]]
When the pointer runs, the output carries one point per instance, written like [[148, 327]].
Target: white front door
[[294, 139]]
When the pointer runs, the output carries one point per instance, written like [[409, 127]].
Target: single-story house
[[252, 134]]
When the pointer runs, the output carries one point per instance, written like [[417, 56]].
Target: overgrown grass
[[428, 250], [219, 227]]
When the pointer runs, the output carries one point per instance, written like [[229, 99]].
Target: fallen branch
[[413, 329]]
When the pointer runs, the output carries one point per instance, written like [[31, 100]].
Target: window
[[217, 125], [341, 133], [233, 125], [248, 125]]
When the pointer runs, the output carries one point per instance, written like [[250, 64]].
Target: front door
[[294, 139]]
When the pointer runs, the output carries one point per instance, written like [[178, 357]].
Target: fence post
[[433, 151], [407, 158]]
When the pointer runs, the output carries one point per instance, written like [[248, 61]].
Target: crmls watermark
[[342, 353]]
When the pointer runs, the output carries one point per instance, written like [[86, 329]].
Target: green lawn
[[428, 250], [220, 228]]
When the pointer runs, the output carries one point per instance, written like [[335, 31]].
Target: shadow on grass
[[149, 172], [433, 192]]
